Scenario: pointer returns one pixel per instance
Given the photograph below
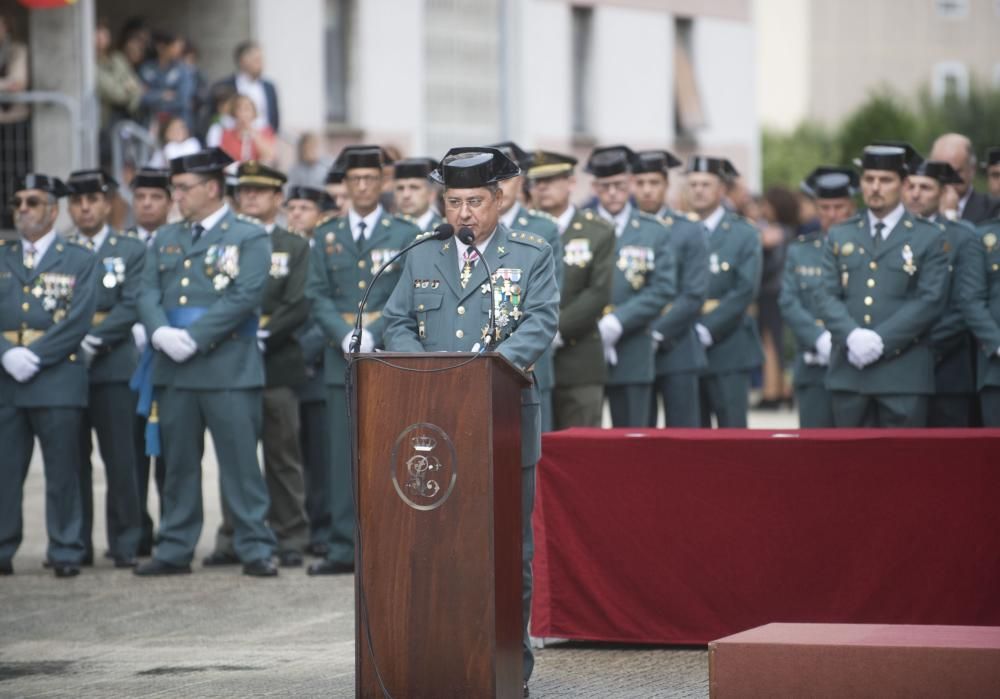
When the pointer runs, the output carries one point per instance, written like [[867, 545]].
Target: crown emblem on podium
[[424, 443]]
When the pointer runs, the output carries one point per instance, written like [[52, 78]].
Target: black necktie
[[361, 230], [196, 232], [879, 227]]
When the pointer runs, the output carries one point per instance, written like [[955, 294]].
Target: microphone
[[442, 232], [466, 235]]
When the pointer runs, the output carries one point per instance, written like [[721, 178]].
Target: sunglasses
[[30, 202]]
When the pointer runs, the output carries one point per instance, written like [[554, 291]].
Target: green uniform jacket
[[285, 308], [898, 291], [57, 299], [120, 261], [954, 363], [545, 227], [588, 249], [643, 281], [429, 311], [436, 220], [339, 273], [734, 264], [680, 351], [224, 273], [799, 303], [979, 294]]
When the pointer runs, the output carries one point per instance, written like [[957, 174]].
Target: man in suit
[[725, 329], [284, 310], [349, 250], [248, 80], [48, 293], [832, 189], [991, 163], [953, 401], [885, 276], [961, 199], [414, 194], [680, 357], [202, 288], [437, 319], [110, 353], [643, 281], [151, 206], [588, 249], [306, 208], [979, 295], [516, 217]]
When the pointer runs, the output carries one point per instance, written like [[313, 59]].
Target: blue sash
[[142, 379]]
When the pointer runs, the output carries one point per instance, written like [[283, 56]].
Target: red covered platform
[[684, 536]]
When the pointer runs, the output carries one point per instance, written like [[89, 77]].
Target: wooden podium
[[438, 472]]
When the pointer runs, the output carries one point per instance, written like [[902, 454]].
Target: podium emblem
[[423, 466]]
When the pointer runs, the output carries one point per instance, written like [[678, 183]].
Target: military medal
[[110, 280], [990, 240], [908, 265], [713, 263]]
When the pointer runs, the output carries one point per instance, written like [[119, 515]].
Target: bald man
[[975, 207]]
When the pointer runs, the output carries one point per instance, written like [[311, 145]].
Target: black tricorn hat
[[545, 163], [992, 157], [254, 174], [514, 152], [205, 162], [720, 167], [829, 182], [608, 161], [361, 156], [470, 167], [894, 158], [90, 181], [334, 176], [413, 168], [152, 177], [317, 196], [45, 183], [936, 169], [654, 161]]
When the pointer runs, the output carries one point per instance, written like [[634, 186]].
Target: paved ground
[[219, 634]]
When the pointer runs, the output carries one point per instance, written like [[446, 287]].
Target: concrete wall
[[781, 61]]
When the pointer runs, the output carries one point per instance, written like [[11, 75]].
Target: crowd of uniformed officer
[[238, 318]]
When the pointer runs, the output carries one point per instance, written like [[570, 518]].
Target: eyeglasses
[[362, 179], [185, 188], [611, 186], [455, 204], [30, 202]]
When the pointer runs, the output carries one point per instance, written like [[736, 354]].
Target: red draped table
[[684, 536]]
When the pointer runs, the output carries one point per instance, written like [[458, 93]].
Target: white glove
[[610, 355], [262, 334], [557, 341], [139, 337], [176, 343], [610, 328], [865, 346], [21, 363], [657, 339], [998, 351], [367, 342], [824, 343], [704, 336], [90, 344]]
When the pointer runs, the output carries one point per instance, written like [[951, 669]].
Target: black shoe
[[526, 693], [65, 570], [155, 567], [86, 562], [290, 559], [220, 558], [6, 568], [262, 568], [124, 562], [145, 550], [330, 568], [317, 549]]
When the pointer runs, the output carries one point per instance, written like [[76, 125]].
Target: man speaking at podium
[[441, 303]]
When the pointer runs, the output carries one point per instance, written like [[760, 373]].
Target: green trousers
[[577, 406], [681, 400], [888, 410], [725, 396], [815, 406], [340, 489], [629, 404]]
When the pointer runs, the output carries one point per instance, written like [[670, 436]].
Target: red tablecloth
[[684, 536]]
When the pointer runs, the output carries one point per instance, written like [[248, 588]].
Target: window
[[582, 22], [950, 79], [338, 20], [690, 115], [952, 9]]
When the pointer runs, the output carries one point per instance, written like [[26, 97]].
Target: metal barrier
[[132, 146]]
